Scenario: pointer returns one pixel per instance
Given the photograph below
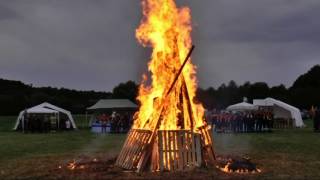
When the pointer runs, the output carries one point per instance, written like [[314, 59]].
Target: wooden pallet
[[135, 144], [207, 144], [178, 150]]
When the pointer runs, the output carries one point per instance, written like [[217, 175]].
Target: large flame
[[167, 29]]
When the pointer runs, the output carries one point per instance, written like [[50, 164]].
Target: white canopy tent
[[244, 106], [281, 110], [68, 113], [45, 108], [40, 110]]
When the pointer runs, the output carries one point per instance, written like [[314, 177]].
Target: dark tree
[[305, 91], [15, 95], [126, 90]]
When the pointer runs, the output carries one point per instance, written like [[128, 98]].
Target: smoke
[[101, 146], [232, 144]]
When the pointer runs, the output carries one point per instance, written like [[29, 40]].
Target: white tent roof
[[277, 105], [45, 108], [262, 102], [113, 104], [41, 110], [244, 106]]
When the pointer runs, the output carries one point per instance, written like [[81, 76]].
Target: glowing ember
[[72, 165], [167, 29], [243, 166]]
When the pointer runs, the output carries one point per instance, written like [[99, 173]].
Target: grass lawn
[[283, 154]]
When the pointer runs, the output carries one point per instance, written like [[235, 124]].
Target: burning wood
[[236, 165], [169, 131], [79, 164], [72, 165]]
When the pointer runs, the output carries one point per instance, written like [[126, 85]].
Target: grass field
[[283, 154]]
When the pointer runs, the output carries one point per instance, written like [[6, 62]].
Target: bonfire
[[169, 130]]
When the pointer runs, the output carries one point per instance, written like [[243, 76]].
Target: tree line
[[304, 93], [16, 96]]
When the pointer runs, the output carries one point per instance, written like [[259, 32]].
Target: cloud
[[86, 44]]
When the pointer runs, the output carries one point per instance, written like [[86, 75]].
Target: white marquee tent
[[281, 110], [45, 108], [244, 106]]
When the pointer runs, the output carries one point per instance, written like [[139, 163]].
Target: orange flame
[[72, 165], [167, 29], [227, 169]]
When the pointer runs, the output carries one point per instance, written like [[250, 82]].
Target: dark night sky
[[90, 44]]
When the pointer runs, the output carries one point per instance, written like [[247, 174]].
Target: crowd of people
[[34, 123], [257, 121], [114, 123]]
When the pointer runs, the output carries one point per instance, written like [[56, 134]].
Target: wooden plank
[[166, 164], [189, 149], [154, 165], [209, 145], [180, 148], [193, 149], [184, 150], [160, 145], [173, 140], [169, 150], [174, 134], [198, 150], [183, 141], [173, 148]]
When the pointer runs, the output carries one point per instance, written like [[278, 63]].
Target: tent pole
[[58, 121], [87, 122], [22, 123]]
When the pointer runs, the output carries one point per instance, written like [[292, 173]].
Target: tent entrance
[[34, 122]]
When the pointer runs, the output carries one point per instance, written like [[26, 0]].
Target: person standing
[[46, 124], [218, 123], [316, 120], [103, 120], [259, 122], [251, 122], [245, 122], [233, 123], [68, 125]]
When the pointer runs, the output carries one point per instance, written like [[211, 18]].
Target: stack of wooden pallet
[[170, 150], [135, 144], [178, 150]]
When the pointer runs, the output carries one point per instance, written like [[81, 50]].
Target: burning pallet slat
[[178, 149], [133, 147], [207, 143]]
